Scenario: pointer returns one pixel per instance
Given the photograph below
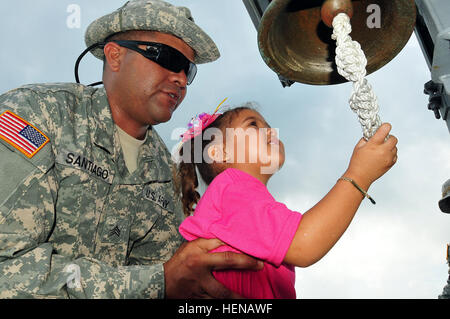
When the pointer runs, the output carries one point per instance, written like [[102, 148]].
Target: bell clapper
[[331, 8]]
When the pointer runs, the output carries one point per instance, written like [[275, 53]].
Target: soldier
[[88, 203], [446, 291], [444, 205]]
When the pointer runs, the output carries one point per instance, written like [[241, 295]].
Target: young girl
[[238, 209]]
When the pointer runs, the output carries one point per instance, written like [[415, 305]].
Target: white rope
[[351, 62]]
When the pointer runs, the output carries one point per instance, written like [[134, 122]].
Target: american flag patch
[[21, 134]]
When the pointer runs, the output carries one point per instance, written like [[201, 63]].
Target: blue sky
[[395, 249]]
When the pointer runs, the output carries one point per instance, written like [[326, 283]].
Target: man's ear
[[113, 54]]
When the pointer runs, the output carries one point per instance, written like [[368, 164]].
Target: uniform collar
[[103, 134], [153, 161]]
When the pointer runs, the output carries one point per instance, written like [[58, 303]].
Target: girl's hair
[[208, 171]]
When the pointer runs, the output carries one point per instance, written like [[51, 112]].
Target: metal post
[[433, 32]]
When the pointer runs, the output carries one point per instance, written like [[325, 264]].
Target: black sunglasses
[[166, 56]]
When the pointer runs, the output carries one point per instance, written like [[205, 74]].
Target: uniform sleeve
[[254, 223], [29, 267]]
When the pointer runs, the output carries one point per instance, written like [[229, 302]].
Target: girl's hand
[[373, 158]]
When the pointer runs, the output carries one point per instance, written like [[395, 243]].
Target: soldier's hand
[[188, 272]]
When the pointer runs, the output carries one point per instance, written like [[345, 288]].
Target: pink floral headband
[[199, 123]]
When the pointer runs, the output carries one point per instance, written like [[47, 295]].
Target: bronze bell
[[296, 43]]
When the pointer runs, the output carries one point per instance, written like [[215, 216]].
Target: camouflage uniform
[[446, 292], [73, 207]]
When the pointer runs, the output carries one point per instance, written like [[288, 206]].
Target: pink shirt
[[239, 210]]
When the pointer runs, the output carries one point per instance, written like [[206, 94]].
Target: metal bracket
[[437, 102]]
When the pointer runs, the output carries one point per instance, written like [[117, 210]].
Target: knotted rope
[[351, 63]]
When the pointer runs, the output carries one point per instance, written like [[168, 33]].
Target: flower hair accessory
[[199, 123]]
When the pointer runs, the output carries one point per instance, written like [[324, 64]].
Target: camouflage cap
[[153, 15]]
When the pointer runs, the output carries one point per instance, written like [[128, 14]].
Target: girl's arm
[[323, 225]]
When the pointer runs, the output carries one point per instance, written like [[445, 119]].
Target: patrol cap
[[153, 15], [444, 203]]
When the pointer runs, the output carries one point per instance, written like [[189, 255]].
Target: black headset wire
[[77, 63]]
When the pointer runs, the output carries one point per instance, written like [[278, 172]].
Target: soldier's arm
[[29, 267]]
